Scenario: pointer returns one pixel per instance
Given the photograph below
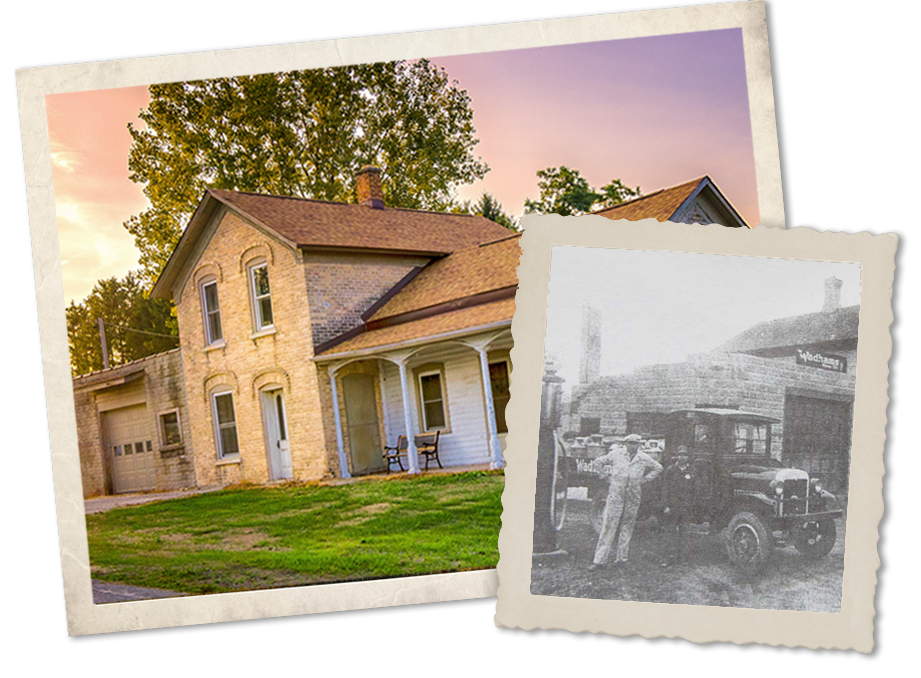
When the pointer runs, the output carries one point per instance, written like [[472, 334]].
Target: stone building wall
[[752, 383], [160, 387]]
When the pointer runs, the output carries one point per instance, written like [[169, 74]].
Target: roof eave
[[723, 204], [374, 350]]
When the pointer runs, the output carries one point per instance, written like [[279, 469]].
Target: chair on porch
[[427, 445], [393, 454]]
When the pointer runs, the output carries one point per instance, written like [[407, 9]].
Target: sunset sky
[[653, 112]]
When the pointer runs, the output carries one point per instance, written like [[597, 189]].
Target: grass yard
[[258, 538]]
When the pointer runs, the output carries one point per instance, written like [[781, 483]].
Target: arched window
[[211, 312]]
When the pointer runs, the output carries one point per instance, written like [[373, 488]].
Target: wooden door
[[362, 424]]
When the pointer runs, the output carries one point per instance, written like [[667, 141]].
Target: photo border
[[83, 617], [852, 627]]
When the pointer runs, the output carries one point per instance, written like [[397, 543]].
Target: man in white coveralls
[[628, 470]]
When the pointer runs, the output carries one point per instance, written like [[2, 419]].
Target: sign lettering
[[822, 361]]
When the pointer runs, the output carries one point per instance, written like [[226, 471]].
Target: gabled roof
[[668, 203], [772, 336], [316, 224], [466, 273]]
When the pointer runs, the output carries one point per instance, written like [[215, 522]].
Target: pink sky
[[653, 112]]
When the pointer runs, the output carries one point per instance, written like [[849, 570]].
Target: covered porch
[[456, 385]]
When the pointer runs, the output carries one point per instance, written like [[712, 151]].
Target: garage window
[[170, 431], [226, 425]]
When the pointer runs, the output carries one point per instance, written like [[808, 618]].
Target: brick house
[[314, 333], [801, 370]]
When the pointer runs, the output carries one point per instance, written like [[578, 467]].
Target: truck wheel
[[815, 540], [559, 490], [750, 542]]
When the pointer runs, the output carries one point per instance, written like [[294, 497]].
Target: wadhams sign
[[822, 361]]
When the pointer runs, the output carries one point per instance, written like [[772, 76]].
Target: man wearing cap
[[629, 469], [678, 488]]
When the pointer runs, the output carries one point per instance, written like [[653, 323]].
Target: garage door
[[130, 449], [817, 438]]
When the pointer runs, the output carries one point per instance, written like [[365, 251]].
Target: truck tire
[[559, 490], [815, 540], [750, 542]]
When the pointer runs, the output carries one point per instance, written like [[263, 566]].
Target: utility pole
[[102, 339]]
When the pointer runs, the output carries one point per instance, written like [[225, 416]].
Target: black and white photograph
[[701, 415], [697, 427]]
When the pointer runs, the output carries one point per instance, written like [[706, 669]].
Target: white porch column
[[496, 461], [343, 462], [411, 453]]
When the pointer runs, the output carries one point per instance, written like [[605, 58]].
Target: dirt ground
[[789, 582]]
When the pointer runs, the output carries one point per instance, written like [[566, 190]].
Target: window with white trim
[[170, 430], [225, 424], [261, 295], [432, 401], [211, 312]]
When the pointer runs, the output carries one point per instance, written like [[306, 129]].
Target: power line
[[129, 329]]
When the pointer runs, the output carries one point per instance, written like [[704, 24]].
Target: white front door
[[276, 426]]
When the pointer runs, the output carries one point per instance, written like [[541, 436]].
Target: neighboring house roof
[[466, 273], [316, 224], [672, 204], [453, 323], [774, 336]]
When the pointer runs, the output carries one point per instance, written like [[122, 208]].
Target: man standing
[[678, 500], [628, 470]]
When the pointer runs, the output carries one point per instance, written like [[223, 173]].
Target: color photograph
[[289, 294]]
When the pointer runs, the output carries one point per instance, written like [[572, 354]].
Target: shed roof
[[466, 273], [476, 318]]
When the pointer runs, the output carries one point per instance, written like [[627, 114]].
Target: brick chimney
[[832, 295], [368, 186]]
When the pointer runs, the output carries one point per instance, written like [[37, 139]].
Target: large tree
[[300, 133], [135, 325], [487, 206], [565, 191]]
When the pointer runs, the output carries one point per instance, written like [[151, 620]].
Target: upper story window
[[212, 313], [262, 296]]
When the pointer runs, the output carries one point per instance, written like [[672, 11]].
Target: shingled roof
[[660, 205], [463, 274], [775, 337], [475, 318], [317, 224], [667, 204], [466, 289]]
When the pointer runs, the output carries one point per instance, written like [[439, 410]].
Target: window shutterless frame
[[211, 313], [225, 424], [434, 413], [261, 296], [170, 428]]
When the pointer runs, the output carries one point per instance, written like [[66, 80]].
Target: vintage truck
[[740, 486]]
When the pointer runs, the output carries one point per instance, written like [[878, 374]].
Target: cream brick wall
[[340, 287], [161, 389], [310, 293]]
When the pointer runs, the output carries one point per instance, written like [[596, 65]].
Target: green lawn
[[245, 539]]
